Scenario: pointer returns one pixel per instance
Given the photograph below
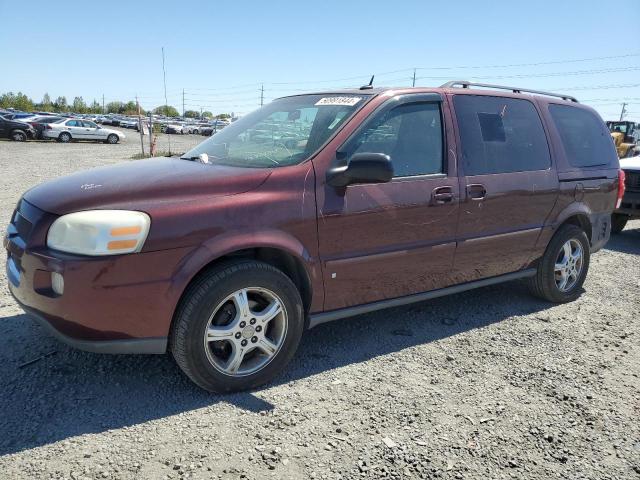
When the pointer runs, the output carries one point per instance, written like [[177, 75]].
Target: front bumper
[[117, 304]]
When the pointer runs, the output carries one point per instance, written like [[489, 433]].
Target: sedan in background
[[129, 122], [175, 128], [75, 129], [39, 123], [15, 130]]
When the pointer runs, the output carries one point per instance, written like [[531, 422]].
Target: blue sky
[[221, 52]]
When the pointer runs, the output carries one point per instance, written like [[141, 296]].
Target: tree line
[[20, 101]]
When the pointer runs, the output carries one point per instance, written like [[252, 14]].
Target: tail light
[[621, 187]]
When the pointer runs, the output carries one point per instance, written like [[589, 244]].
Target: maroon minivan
[[314, 208]]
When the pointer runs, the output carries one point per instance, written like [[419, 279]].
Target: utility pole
[[262, 95], [414, 78], [183, 103], [164, 79], [150, 134], [140, 126], [103, 112], [624, 110]]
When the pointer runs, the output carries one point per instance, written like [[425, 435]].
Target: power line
[[549, 74], [553, 62]]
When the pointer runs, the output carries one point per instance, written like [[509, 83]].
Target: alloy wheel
[[245, 331], [568, 265]]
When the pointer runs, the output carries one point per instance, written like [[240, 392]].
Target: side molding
[[320, 318]]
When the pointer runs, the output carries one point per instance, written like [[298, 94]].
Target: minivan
[[315, 208]]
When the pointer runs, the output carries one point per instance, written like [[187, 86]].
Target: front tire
[[112, 139], [237, 326], [618, 222], [65, 137], [563, 267]]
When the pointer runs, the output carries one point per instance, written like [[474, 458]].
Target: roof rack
[[467, 84]]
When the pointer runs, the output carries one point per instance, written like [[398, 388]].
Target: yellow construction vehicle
[[626, 137]]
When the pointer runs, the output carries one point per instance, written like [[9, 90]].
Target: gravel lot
[[488, 384]]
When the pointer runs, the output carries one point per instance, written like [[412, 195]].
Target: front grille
[[22, 225], [19, 231], [632, 181]]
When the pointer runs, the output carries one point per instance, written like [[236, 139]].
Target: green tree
[[19, 101], [115, 107], [95, 107], [166, 110], [60, 105], [130, 108], [223, 116], [7, 100], [78, 105], [192, 114], [46, 104], [207, 114]]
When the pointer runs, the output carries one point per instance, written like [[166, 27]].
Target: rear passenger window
[[500, 135], [411, 134], [585, 138]]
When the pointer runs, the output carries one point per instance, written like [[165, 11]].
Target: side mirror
[[362, 168]]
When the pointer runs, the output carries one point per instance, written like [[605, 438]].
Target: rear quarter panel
[[589, 191]]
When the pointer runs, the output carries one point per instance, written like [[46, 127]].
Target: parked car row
[[170, 125], [56, 128]]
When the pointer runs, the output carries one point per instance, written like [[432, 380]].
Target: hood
[[630, 163], [140, 183]]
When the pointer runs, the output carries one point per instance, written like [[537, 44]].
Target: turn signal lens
[[57, 283], [621, 187], [121, 244]]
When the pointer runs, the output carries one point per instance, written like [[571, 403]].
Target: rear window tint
[[500, 135], [585, 138]]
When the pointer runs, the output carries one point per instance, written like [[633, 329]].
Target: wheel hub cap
[[568, 265], [245, 331]]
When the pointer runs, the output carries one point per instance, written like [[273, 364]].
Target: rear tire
[[566, 259], [64, 137], [18, 136], [225, 340], [618, 222], [112, 139]]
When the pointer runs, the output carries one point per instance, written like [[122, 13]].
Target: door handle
[[442, 195], [476, 191]]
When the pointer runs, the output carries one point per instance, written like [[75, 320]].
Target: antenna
[[369, 86]]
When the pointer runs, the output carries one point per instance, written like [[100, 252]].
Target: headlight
[[99, 232]]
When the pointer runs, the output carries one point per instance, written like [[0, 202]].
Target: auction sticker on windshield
[[348, 101]]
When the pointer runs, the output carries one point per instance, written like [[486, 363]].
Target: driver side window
[[411, 134]]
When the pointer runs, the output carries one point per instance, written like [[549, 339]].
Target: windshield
[[284, 132]]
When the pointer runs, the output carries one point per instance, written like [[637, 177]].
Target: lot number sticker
[[348, 101]]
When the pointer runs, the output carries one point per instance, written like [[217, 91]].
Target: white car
[[173, 127], [190, 128], [75, 129]]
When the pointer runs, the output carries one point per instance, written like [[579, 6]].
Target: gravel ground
[[488, 384]]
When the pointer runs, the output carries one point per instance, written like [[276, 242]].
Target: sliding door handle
[[476, 191], [442, 195]]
